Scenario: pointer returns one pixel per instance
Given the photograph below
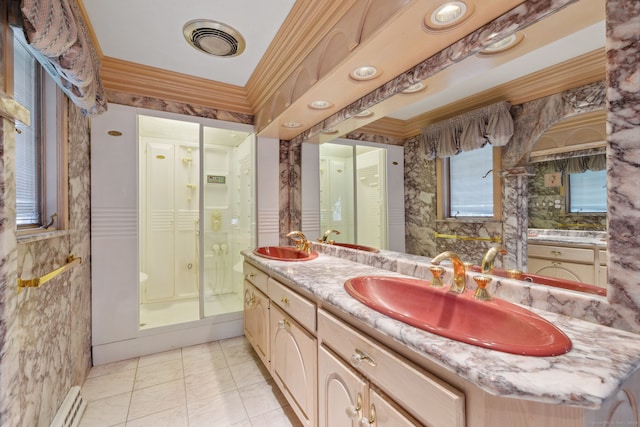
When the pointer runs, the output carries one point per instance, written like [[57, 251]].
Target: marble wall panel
[[45, 332]]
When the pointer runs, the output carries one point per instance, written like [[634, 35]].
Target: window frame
[[53, 150], [443, 191]]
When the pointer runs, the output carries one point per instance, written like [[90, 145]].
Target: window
[[40, 170], [586, 193], [27, 86], [469, 184]]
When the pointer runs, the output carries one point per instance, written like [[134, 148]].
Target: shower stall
[[353, 193], [196, 213]]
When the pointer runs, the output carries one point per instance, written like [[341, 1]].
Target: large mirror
[[562, 52]]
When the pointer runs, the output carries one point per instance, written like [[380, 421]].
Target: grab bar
[[39, 281], [456, 237]]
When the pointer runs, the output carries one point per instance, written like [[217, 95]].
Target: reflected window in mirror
[[469, 184], [587, 192], [568, 191]]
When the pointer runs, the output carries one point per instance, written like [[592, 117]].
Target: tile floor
[[217, 384]]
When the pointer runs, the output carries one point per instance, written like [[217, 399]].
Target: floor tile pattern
[[216, 384]]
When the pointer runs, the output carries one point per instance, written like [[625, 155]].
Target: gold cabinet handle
[[283, 324], [354, 411], [285, 300], [556, 252], [250, 276], [371, 422], [360, 356], [249, 299]]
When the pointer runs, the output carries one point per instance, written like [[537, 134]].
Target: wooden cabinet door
[[256, 321], [382, 413], [562, 270], [294, 362], [342, 392]]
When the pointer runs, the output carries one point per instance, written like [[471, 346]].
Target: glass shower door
[[228, 219]]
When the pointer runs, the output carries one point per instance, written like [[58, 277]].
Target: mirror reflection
[[567, 203]]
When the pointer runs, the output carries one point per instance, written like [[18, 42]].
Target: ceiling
[[144, 53]]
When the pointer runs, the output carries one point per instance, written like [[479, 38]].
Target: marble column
[[515, 217], [623, 157], [290, 189]]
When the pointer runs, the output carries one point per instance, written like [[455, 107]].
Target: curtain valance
[[596, 162], [58, 37], [492, 124]]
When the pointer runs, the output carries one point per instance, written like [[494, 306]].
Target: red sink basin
[[357, 247], [496, 324], [549, 281], [284, 253]]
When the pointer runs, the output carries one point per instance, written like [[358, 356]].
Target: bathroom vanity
[[339, 362], [577, 256]]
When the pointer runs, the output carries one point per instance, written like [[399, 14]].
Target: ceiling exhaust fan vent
[[213, 38]]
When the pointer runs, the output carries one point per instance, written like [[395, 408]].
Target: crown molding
[[305, 26], [141, 80]]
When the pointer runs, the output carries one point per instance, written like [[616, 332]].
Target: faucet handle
[[481, 292], [437, 273]]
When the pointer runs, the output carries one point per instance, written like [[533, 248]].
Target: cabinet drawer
[[255, 276], [429, 399], [564, 253], [298, 307]]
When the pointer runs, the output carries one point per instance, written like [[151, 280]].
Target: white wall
[[267, 194]]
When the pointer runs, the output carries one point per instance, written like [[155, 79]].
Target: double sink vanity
[[357, 337]]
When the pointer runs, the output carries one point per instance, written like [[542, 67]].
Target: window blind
[[26, 72]]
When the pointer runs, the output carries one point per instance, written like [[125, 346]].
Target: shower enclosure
[[353, 193], [196, 213]]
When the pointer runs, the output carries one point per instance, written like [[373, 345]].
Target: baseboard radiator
[[71, 410]]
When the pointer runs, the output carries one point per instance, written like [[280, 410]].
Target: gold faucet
[[302, 244], [487, 260], [459, 272], [326, 235]]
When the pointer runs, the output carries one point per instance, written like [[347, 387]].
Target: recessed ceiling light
[[292, 125], [504, 44], [320, 105], [364, 113], [416, 87], [366, 72], [329, 131], [449, 14]]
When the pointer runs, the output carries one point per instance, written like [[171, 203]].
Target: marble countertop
[[568, 237], [601, 360]]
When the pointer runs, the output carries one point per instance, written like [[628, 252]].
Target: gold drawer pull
[[285, 300], [556, 252], [250, 276], [360, 356]]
